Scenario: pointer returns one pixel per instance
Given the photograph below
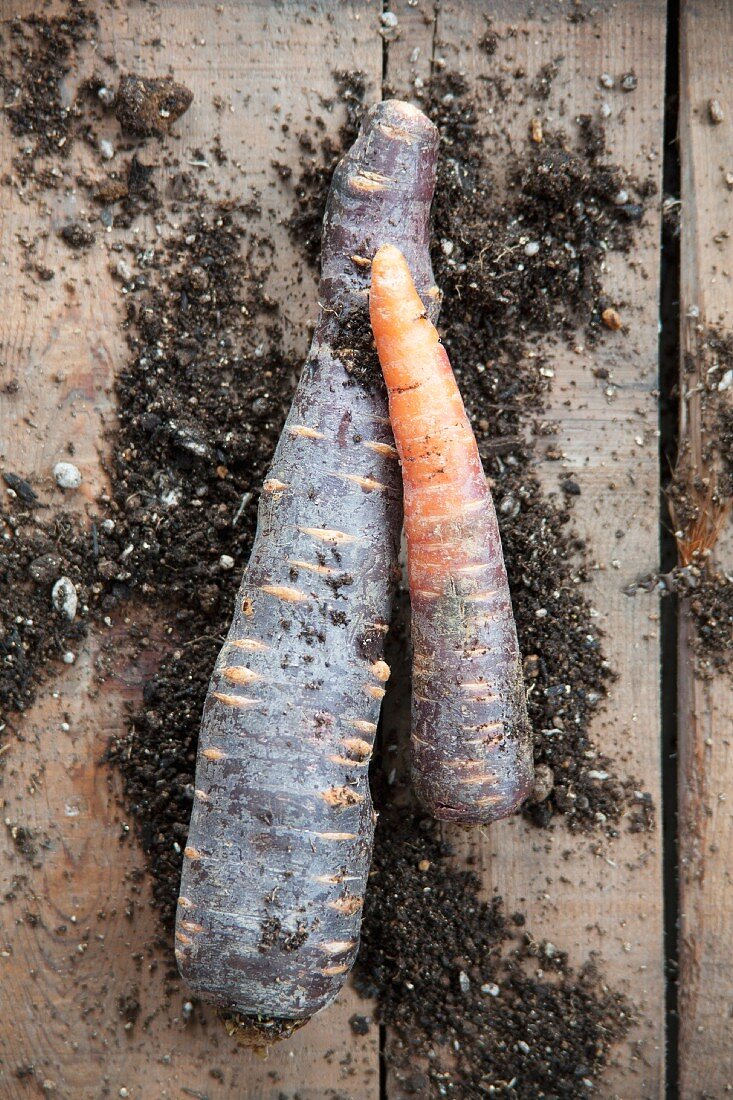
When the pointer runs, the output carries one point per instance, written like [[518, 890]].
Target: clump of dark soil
[[148, 106], [34, 636], [710, 603], [76, 236], [473, 1000], [37, 56]]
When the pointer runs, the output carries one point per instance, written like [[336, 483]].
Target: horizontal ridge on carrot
[[471, 745]]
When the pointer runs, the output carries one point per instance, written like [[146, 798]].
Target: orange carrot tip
[[471, 740]]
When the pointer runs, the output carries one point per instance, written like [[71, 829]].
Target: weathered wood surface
[[59, 1003], [705, 704], [59, 990], [604, 898]]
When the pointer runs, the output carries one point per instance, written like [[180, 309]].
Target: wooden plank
[[94, 938], [705, 704], [587, 902]]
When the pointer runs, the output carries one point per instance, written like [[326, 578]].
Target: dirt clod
[[76, 236], [148, 106]]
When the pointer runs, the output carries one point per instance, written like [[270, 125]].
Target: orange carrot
[[471, 740]]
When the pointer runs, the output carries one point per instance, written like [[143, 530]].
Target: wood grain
[[78, 932], [705, 704], [603, 898]]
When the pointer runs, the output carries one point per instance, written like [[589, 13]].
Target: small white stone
[[726, 381], [108, 526], [531, 248], [605, 110], [106, 149], [389, 20], [187, 1010], [106, 95], [68, 476], [447, 247], [598, 775], [621, 198], [541, 613], [464, 981], [68, 657], [491, 988], [123, 269], [226, 562], [606, 80], [64, 598]]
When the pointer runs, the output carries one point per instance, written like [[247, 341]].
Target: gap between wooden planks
[[603, 898], [705, 706], [59, 988]]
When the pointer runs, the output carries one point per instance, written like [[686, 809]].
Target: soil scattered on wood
[[517, 264], [201, 401], [36, 638], [318, 160], [37, 55], [476, 1005]]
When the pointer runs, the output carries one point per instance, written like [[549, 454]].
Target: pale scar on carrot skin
[[337, 538], [306, 432], [285, 592]]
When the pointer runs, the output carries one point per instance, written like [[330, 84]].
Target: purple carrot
[[281, 833]]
